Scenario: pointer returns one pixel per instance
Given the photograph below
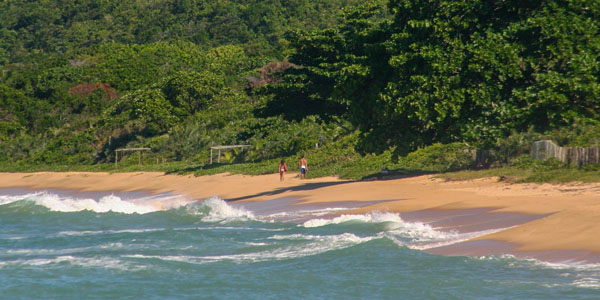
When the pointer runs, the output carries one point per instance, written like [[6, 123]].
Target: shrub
[[442, 158], [582, 133], [514, 146]]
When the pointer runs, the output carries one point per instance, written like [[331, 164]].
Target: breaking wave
[[212, 209]]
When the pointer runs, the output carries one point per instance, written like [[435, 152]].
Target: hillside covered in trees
[[81, 79]]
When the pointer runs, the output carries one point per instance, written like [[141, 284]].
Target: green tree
[[445, 71], [307, 89], [191, 92], [145, 111]]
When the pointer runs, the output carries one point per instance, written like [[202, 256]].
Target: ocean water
[[61, 245]]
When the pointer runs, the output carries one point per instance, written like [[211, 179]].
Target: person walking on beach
[[303, 167], [282, 169]]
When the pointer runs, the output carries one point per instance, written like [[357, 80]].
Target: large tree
[[444, 71]]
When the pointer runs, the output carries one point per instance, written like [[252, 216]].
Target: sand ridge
[[573, 210]]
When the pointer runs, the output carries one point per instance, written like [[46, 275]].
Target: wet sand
[[557, 223]]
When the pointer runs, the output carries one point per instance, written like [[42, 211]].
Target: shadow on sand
[[392, 174], [193, 169], [387, 175], [304, 187], [396, 174]]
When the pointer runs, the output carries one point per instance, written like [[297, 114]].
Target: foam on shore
[[57, 203]]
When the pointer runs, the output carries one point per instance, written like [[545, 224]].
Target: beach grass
[[519, 175]]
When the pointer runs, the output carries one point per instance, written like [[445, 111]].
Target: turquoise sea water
[[59, 245]]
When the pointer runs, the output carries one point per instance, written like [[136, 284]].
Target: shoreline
[[553, 223]]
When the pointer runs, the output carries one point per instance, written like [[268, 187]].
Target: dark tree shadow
[[195, 168], [304, 187], [184, 170], [396, 174], [387, 175]]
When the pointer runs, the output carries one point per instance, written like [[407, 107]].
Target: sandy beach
[[543, 221]]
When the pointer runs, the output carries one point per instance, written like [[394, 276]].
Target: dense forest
[[341, 79]]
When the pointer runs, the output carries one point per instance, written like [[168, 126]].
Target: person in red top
[[282, 169]]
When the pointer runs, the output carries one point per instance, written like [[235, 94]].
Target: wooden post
[[129, 149], [219, 148]]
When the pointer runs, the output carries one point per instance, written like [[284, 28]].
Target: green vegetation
[[550, 171], [411, 86]]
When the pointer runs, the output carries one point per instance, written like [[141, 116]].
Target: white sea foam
[[256, 244], [107, 203], [88, 262], [63, 251], [584, 275], [588, 282], [288, 216], [145, 230], [104, 204], [6, 199], [315, 244], [98, 232], [414, 235], [212, 209], [374, 217], [295, 236], [438, 238], [568, 265]]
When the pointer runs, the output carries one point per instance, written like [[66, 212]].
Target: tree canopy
[[422, 71], [80, 79]]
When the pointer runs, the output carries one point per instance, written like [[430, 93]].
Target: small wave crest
[[414, 235], [306, 245], [576, 273], [375, 217], [585, 275], [104, 262], [214, 209]]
